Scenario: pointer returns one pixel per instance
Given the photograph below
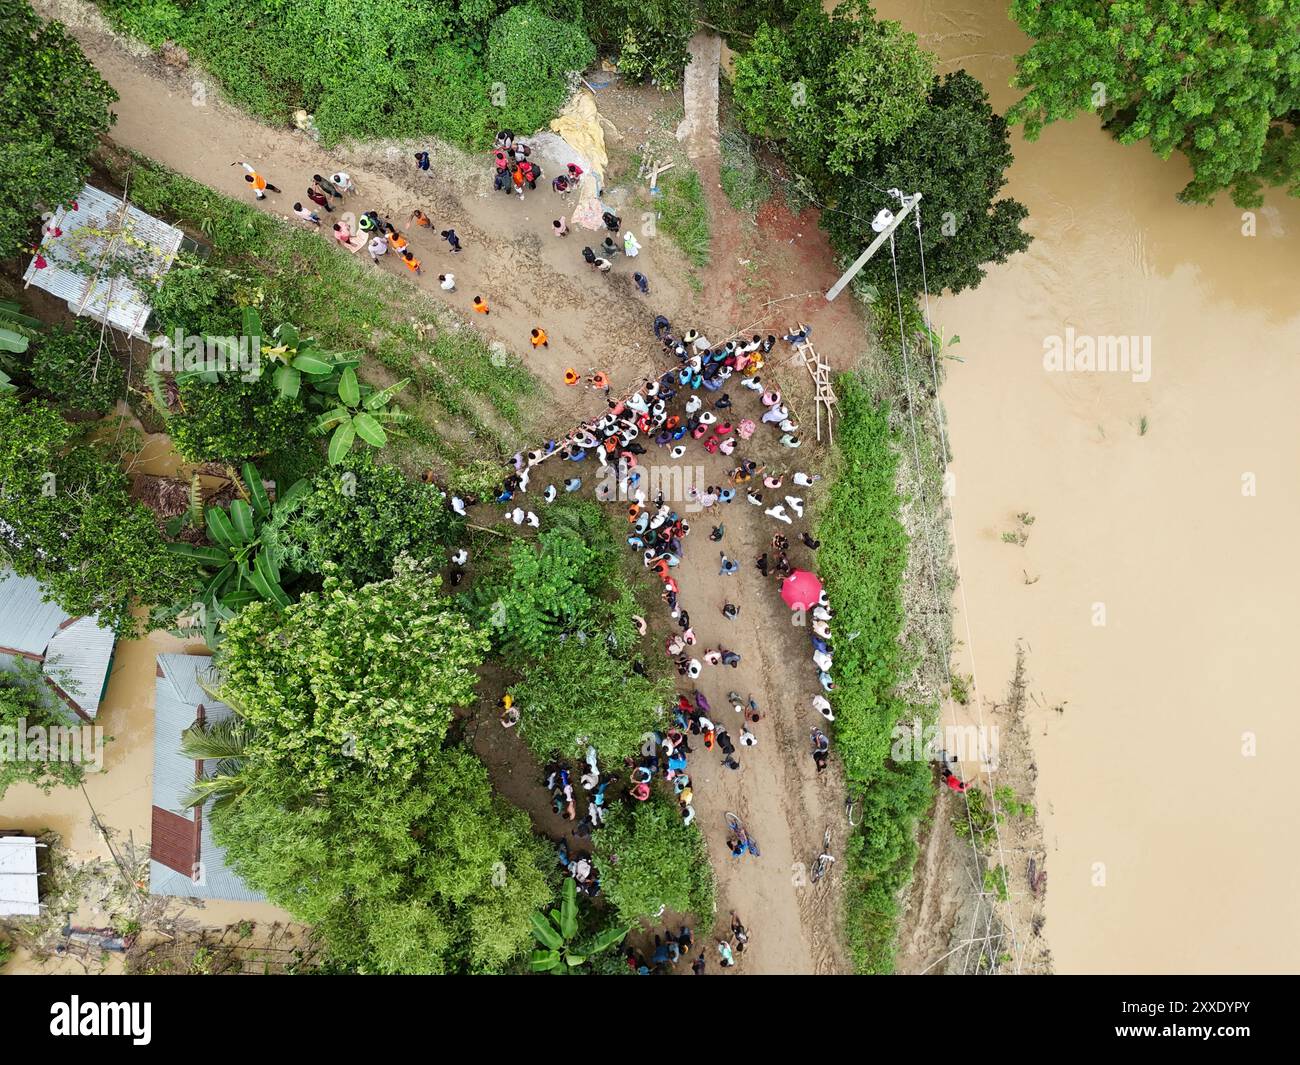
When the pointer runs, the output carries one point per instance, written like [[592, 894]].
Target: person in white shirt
[[343, 182], [447, 282]]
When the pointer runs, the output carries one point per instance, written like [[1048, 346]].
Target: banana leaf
[[288, 381], [256, 490], [349, 389], [341, 442], [380, 399], [369, 429], [209, 556], [220, 529], [241, 516]]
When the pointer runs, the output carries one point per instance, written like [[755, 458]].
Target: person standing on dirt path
[[449, 235], [377, 247], [422, 160], [612, 221], [730, 567], [697, 966], [327, 186], [539, 339], [447, 282], [260, 185], [342, 233], [310, 217], [319, 199], [410, 261], [642, 283], [421, 219], [343, 182], [560, 227], [480, 305]]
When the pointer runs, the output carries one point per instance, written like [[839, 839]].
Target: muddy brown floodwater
[[1162, 613]]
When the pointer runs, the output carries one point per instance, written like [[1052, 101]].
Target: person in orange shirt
[[480, 305], [421, 219], [600, 380], [395, 240], [412, 263], [571, 376], [538, 338], [260, 185]]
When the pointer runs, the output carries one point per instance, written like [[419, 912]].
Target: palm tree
[[225, 743], [558, 930]]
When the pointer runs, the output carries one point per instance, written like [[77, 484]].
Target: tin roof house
[[185, 861], [105, 258], [75, 654]]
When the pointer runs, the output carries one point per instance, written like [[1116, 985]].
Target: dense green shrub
[[71, 367], [648, 859], [578, 693], [235, 419], [861, 560], [66, 518], [647, 37], [53, 107], [375, 68], [360, 516]]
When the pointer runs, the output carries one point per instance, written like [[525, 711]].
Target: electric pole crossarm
[[909, 202]]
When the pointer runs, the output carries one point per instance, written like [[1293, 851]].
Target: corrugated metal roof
[[76, 654], [176, 705], [26, 621], [19, 882], [78, 660], [100, 231]]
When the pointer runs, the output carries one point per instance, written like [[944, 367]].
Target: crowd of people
[[711, 400]]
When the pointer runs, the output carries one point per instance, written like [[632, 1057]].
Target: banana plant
[[297, 358], [240, 567], [558, 930], [360, 412], [16, 329]]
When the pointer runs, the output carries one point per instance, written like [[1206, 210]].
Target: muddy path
[[531, 278]]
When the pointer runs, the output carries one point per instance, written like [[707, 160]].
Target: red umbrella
[[801, 590]]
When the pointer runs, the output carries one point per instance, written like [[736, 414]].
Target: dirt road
[[531, 278]]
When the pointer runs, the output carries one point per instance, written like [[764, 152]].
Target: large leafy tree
[[830, 89], [429, 875], [352, 676], [53, 106], [66, 518], [1219, 82], [580, 694], [648, 859], [956, 155], [856, 108]]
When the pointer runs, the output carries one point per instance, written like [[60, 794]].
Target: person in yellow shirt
[[538, 337]]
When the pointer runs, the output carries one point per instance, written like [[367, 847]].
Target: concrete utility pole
[[884, 224]]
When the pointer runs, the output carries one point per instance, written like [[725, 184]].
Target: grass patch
[[684, 216], [743, 183]]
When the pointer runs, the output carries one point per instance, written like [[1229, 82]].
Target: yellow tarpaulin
[[579, 125]]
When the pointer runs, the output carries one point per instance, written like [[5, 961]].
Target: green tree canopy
[[579, 694], [830, 89], [66, 518], [956, 155], [53, 106], [429, 875], [1219, 82], [854, 104], [26, 701], [360, 516], [647, 859], [352, 677]]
